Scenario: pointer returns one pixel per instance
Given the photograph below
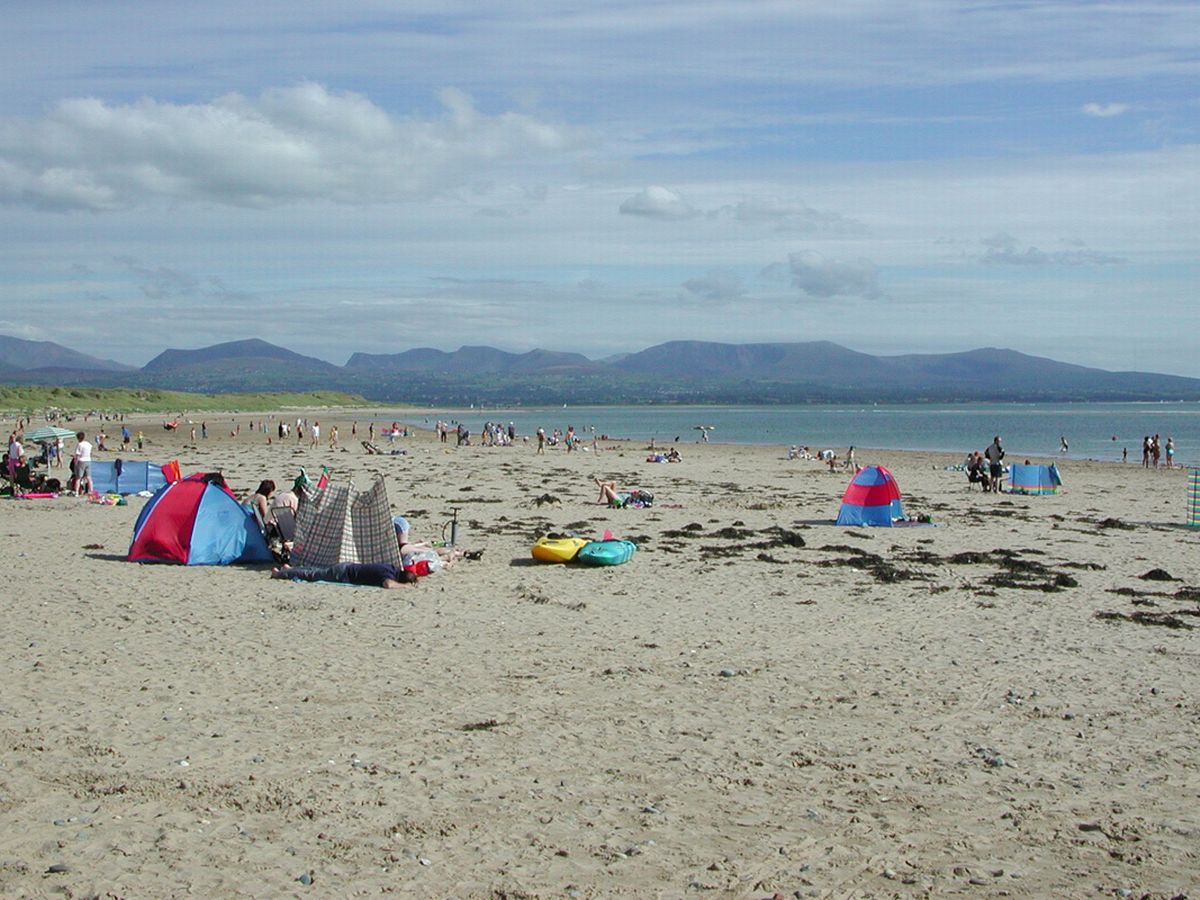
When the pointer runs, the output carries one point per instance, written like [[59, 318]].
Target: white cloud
[[656, 202], [716, 286], [824, 278], [1004, 249], [287, 145], [1105, 110], [794, 217]]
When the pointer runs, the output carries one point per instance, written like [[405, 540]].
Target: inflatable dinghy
[[558, 550], [605, 553]]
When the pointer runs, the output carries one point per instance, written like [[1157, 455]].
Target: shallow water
[[1093, 430]]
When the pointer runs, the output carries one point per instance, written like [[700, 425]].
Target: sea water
[[1092, 430]]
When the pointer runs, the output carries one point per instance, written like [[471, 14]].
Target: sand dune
[[755, 704]]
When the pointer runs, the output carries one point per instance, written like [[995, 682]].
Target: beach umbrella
[[48, 433]]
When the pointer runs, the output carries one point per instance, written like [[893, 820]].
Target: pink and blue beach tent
[[871, 498], [197, 522], [1030, 479]]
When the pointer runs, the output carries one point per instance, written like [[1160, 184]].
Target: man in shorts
[[994, 454], [83, 464]]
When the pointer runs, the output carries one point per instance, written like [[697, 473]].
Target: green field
[[35, 399]]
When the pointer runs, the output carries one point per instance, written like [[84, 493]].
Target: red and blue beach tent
[[871, 498], [197, 522]]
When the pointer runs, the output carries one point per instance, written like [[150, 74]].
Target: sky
[[599, 177]]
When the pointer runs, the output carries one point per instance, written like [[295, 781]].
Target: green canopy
[[48, 433]]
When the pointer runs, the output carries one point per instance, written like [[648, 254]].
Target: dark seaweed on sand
[[1167, 620]]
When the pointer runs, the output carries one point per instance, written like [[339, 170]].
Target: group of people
[[1153, 451], [986, 468], [417, 558], [18, 467], [828, 457]]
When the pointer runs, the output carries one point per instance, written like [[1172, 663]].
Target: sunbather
[[384, 575], [608, 492]]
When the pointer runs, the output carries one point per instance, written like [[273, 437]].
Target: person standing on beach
[[994, 454], [15, 452], [1146, 452], [541, 436], [316, 434], [1170, 452], [1062, 442], [82, 464]]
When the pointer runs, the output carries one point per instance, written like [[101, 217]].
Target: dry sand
[[901, 712]]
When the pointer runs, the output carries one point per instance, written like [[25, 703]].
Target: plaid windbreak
[[341, 524]]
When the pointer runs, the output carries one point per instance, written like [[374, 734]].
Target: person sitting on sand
[[289, 498], [608, 492], [258, 501], [977, 472], [384, 575]]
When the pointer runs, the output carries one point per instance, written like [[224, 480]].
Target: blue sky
[[600, 177]]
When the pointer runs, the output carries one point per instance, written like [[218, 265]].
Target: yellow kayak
[[557, 550]]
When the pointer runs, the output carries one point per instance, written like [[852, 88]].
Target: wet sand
[[760, 702]]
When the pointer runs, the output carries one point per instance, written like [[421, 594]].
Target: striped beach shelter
[[1033, 479], [871, 498], [341, 524]]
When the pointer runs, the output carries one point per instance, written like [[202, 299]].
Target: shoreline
[[1030, 430], [151, 424]]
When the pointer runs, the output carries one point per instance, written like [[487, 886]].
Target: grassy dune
[[33, 399]]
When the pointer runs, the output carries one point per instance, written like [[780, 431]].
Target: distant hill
[[673, 372], [247, 355], [708, 360], [249, 365], [19, 354], [833, 371], [470, 361]]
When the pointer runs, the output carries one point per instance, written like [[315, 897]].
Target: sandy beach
[[760, 703]]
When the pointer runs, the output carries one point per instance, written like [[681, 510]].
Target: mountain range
[[674, 372]]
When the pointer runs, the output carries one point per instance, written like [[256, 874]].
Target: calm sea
[[1092, 430]]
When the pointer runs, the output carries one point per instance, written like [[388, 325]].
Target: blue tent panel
[[136, 476], [883, 515], [225, 532]]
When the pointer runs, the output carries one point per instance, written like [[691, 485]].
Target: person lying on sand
[[384, 575], [445, 556]]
